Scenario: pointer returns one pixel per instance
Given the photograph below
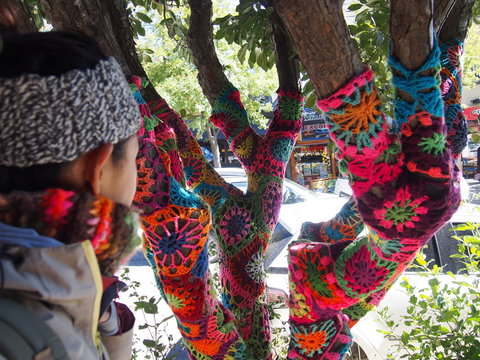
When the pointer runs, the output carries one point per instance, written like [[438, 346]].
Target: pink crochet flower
[[362, 274], [403, 211], [235, 225]]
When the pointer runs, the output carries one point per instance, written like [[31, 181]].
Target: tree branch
[[410, 31], [287, 67], [211, 77], [324, 45], [458, 21], [15, 16], [105, 21], [441, 11]]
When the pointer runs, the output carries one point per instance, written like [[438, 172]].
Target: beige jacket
[[63, 286]]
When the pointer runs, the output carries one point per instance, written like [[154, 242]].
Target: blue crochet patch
[[424, 90]]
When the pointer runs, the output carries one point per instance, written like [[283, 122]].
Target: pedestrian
[[68, 146]]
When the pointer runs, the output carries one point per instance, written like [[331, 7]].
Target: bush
[[444, 318]]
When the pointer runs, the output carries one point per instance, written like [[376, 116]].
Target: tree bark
[[105, 21], [212, 133], [15, 16], [287, 67], [458, 21], [323, 45], [211, 77], [410, 30]]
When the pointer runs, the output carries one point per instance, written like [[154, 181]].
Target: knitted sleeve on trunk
[[408, 192], [451, 88], [176, 225], [345, 226], [401, 203]]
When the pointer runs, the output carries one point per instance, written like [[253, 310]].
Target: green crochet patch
[[290, 108], [436, 144], [400, 213]]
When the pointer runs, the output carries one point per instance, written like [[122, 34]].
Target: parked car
[[299, 205]]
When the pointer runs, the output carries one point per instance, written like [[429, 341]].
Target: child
[[67, 179]]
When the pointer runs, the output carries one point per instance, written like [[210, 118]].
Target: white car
[[299, 205]]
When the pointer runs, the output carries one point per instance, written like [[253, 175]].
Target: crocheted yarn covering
[[331, 231], [176, 224], [243, 223], [421, 85], [406, 187], [345, 226], [451, 74]]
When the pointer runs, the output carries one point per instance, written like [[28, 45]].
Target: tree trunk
[[410, 22], [200, 40], [105, 21], [212, 133], [15, 16], [321, 42], [458, 21]]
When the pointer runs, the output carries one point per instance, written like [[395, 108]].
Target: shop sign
[[314, 126], [309, 114], [472, 113]]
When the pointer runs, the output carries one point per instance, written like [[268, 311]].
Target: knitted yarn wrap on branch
[[242, 222], [451, 74], [421, 84], [409, 191], [176, 224]]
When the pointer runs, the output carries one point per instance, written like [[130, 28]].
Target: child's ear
[[95, 162]]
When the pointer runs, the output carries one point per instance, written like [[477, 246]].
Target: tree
[[326, 74]]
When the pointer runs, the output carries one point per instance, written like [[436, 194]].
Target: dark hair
[[46, 53]]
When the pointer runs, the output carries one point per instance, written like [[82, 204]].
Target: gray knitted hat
[[55, 119]]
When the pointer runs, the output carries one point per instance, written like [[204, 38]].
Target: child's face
[[120, 177]]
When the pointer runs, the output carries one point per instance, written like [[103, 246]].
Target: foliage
[[443, 320], [370, 32], [471, 67], [152, 341], [249, 28], [37, 12], [170, 68]]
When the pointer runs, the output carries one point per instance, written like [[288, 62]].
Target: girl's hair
[[45, 53]]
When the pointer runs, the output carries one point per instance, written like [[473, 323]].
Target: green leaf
[[149, 343], [355, 7], [148, 307], [138, 29], [241, 53], [144, 17], [310, 101]]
